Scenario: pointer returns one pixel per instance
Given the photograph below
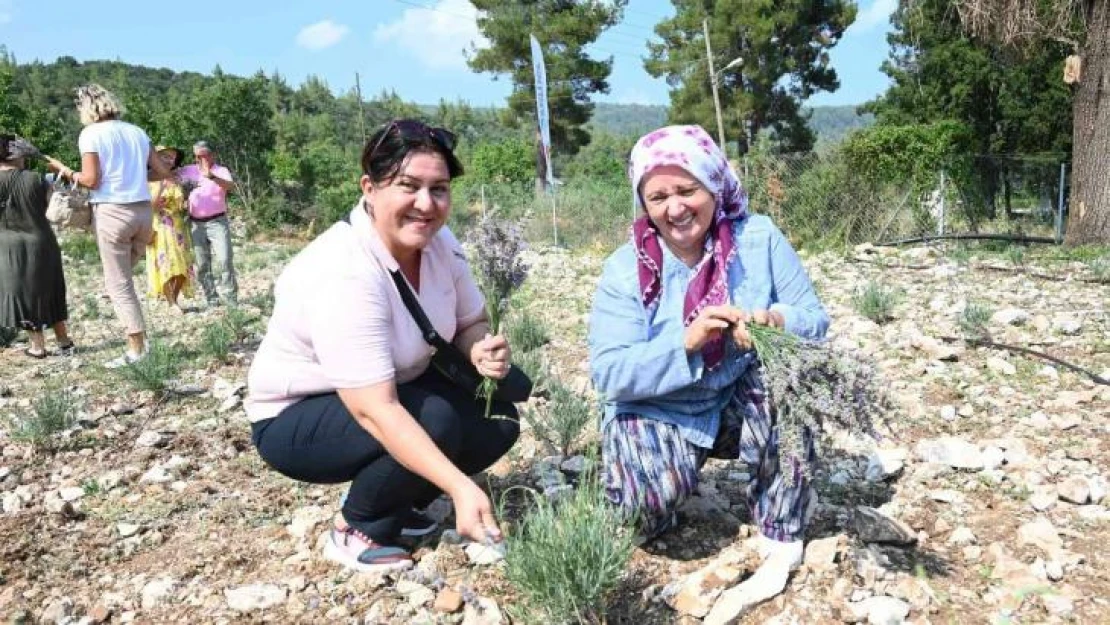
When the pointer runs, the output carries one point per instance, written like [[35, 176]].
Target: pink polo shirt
[[338, 321], [208, 199]]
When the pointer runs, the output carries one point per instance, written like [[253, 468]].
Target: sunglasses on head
[[414, 130]]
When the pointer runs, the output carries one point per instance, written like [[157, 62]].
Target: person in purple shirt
[[669, 349]]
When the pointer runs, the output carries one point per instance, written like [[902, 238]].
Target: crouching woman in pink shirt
[[341, 388]]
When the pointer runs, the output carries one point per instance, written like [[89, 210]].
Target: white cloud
[[876, 14], [436, 36], [321, 35], [7, 11]]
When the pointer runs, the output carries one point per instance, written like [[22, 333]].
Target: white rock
[[1043, 499], [962, 536], [886, 610], [485, 613], [416, 594], [1097, 485], [993, 457], [109, 480], [948, 412], [1041, 533], [1067, 325], [574, 464], [1074, 490], [1010, 317], [151, 438], [950, 451], [156, 475], [255, 597], [1054, 570], [737, 601], [57, 611], [1001, 365], [885, 463], [156, 592], [127, 530], [1058, 605], [483, 555], [71, 493], [11, 503], [1048, 372], [820, 554]]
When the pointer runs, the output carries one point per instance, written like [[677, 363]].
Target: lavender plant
[[500, 270], [810, 384]]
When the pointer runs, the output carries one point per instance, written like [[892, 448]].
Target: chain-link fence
[[819, 199]]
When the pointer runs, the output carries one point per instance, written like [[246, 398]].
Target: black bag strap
[[413, 305]]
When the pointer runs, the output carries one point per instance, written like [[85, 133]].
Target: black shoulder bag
[[451, 362]]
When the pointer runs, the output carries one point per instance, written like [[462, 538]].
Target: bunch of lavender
[[809, 384], [500, 270]]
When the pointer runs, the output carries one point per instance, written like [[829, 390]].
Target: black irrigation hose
[[1097, 379], [970, 237]]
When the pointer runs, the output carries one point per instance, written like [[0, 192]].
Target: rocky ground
[[984, 501]]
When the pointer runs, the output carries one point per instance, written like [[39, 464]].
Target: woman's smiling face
[[680, 207]]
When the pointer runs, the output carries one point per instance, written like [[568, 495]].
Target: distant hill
[[830, 123]]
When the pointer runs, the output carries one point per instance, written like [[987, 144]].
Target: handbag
[[69, 208], [453, 364]]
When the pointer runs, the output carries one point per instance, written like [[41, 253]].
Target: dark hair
[[387, 150], [5, 139]]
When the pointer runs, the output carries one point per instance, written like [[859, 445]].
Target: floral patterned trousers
[[650, 469]]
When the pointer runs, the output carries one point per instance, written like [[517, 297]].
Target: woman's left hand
[[768, 318], [491, 356], [759, 317]]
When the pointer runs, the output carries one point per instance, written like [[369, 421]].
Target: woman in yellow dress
[[169, 257]]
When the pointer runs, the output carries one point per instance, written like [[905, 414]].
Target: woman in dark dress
[[32, 286]]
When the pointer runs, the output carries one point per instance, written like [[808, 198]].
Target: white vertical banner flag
[[542, 114]]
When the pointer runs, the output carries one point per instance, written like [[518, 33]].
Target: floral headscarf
[[692, 149]]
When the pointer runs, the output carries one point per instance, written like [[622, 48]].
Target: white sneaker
[[128, 358]]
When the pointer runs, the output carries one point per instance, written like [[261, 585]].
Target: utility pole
[[361, 113], [713, 83]]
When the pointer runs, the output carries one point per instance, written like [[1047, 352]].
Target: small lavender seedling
[[500, 270], [974, 319], [1100, 269], [876, 302], [567, 556], [811, 384], [54, 410]]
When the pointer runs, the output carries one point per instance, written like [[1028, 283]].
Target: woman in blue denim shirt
[[669, 349]]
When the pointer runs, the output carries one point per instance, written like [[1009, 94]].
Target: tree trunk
[[1089, 209]]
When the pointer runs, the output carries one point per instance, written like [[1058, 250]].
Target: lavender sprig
[[500, 270], [809, 384]]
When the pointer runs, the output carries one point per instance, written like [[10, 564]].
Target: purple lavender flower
[[810, 384], [500, 270]]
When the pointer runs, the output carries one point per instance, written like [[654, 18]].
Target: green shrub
[[81, 248], [535, 367], [157, 370], [561, 421], [567, 558], [1100, 268], [526, 333], [876, 302], [53, 411], [216, 341], [974, 319]]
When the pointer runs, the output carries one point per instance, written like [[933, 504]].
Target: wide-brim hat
[[178, 155]]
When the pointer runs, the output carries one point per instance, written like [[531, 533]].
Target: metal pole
[[361, 114], [554, 222], [483, 200], [1060, 204], [943, 207], [713, 84]]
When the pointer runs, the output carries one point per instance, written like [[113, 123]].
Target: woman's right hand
[[474, 513], [709, 324]]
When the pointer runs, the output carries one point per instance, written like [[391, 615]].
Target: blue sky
[[411, 46]]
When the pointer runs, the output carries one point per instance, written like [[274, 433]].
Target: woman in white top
[[341, 388], [116, 163]]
